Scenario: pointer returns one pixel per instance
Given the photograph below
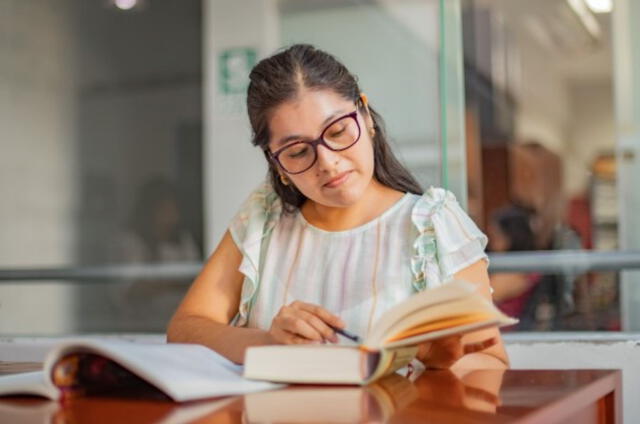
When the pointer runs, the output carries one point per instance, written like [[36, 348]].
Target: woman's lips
[[338, 180]]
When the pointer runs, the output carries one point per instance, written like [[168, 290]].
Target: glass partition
[[100, 112], [123, 185], [120, 126], [550, 160]]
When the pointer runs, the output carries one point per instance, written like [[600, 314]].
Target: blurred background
[[124, 130]]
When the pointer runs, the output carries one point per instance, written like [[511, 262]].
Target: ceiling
[[580, 55]]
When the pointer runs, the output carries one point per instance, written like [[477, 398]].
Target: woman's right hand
[[301, 323]]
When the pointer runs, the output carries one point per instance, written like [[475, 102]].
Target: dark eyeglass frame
[[314, 143]]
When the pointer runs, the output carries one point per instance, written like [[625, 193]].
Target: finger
[[478, 346], [423, 351], [284, 337], [296, 324], [320, 326], [320, 312], [444, 352]]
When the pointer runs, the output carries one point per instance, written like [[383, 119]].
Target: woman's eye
[[335, 134], [296, 152]]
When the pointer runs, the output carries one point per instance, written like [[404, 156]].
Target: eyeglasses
[[339, 135]]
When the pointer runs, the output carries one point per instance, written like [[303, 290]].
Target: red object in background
[[579, 218], [515, 307]]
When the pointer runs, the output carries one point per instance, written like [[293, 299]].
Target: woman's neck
[[374, 202]]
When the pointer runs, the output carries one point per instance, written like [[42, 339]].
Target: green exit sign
[[234, 68]]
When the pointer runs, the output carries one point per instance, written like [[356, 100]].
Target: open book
[[453, 308], [86, 367]]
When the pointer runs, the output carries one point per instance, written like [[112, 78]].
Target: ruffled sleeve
[[447, 242], [253, 222]]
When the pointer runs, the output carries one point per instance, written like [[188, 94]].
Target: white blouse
[[418, 243]]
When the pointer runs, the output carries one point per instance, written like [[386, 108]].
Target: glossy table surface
[[512, 396]]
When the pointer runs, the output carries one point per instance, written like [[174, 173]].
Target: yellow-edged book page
[[448, 322]]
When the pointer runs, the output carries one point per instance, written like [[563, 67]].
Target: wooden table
[[513, 396]]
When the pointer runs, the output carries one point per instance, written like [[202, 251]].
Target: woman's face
[[336, 179]]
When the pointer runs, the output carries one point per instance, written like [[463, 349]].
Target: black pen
[[346, 334]]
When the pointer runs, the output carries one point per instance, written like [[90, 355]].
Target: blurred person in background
[[511, 230], [155, 233]]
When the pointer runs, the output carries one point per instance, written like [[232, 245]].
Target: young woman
[[339, 233]]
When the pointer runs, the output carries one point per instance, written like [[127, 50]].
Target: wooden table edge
[[609, 384]]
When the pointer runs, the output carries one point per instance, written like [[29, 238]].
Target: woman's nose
[[327, 158]]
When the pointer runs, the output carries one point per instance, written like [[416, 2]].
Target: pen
[[346, 334]]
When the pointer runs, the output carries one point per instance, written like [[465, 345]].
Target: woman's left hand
[[443, 353]]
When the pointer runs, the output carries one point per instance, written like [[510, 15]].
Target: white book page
[[305, 363], [28, 383], [38, 412], [183, 371]]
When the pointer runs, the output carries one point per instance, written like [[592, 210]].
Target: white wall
[[543, 97], [591, 132], [37, 169], [232, 166], [37, 140], [572, 117]]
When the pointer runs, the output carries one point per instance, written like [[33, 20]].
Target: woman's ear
[[368, 119]]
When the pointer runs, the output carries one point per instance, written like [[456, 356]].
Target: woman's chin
[[342, 198]]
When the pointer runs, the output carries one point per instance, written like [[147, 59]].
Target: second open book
[[453, 308]]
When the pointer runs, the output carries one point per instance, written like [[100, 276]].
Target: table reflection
[[376, 402], [118, 410], [443, 392], [433, 395]]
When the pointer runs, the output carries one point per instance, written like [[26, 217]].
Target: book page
[[16, 411], [308, 363], [470, 307], [28, 383], [432, 335], [444, 323], [460, 307], [419, 301], [182, 371]]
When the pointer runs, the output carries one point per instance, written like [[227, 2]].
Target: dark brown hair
[[279, 78]]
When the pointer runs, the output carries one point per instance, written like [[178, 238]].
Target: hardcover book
[[453, 308]]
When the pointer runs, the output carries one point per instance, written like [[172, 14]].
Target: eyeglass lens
[[340, 135]]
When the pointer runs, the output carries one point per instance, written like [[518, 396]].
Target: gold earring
[[364, 100], [372, 132], [284, 180]]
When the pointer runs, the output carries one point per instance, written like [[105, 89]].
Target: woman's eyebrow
[[292, 137]]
